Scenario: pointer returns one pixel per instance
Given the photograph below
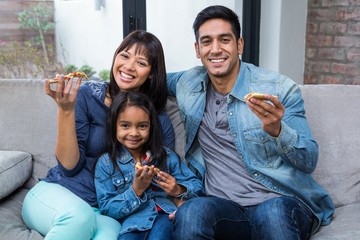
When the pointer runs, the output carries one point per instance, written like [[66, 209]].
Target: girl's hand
[[64, 94], [142, 179], [169, 185]]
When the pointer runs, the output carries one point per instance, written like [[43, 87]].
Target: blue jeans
[[282, 218], [161, 230]]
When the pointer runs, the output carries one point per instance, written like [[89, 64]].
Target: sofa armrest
[[15, 169]]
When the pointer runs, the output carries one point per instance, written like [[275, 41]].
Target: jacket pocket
[[262, 148], [122, 181]]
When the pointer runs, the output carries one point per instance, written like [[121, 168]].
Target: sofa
[[28, 121]]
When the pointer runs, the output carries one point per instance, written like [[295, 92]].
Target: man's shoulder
[[198, 72], [263, 74]]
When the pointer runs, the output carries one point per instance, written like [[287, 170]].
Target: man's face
[[218, 49]]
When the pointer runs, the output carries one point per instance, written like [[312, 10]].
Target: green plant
[[70, 68], [38, 17], [89, 71], [21, 60], [104, 74]]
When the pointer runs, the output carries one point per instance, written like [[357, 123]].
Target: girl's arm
[[115, 193], [180, 182]]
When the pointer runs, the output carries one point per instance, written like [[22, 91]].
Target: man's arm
[[172, 79]]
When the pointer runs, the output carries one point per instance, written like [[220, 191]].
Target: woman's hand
[[64, 94], [67, 149]]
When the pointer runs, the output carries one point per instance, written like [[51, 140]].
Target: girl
[[137, 179], [66, 197]]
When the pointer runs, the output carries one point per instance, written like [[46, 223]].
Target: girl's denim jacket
[[282, 164], [117, 199]]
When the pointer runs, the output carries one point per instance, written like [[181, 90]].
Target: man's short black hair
[[217, 11]]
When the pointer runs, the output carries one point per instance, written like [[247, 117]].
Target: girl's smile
[[133, 129]]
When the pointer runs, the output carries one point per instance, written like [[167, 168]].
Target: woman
[[66, 197]]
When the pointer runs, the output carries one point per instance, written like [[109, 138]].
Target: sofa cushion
[[179, 130], [11, 223], [345, 225], [15, 170], [332, 111]]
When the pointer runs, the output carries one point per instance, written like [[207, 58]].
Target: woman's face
[[131, 69]]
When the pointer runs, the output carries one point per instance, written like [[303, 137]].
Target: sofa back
[[28, 121], [334, 117]]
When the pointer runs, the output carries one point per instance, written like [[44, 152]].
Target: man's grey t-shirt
[[225, 175]]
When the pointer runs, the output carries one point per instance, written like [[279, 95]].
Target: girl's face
[[133, 129], [131, 69]]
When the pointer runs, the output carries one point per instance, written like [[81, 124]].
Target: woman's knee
[[107, 228], [80, 215], [75, 222]]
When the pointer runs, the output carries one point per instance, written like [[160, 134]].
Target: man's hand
[[270, 111]]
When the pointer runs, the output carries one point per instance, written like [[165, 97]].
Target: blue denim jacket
[[117, 198], [282, 164]]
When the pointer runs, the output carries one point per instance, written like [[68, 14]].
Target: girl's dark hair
[[217, 11], [149, 45], [154, 144]]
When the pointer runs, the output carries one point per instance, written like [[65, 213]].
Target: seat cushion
[[11, 223], [345, 225], [15, 170]]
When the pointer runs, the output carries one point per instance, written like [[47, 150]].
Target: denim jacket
[[117, 198], [282, 164]]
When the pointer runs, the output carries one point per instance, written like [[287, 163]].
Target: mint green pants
[[59, 214]]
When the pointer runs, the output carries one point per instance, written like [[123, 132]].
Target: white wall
[[282, 37], [171, 21], [87, 36]]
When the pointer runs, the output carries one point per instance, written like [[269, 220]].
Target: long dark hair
[[217, 11], [154, 143], [149, 45]]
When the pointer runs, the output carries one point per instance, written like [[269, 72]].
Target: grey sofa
[[28, 131]]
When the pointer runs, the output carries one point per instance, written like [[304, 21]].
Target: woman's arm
[[66, 149]]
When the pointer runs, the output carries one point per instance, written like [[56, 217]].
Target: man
[[255, 156]]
